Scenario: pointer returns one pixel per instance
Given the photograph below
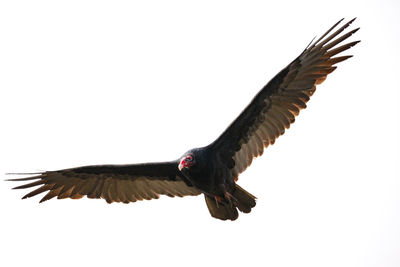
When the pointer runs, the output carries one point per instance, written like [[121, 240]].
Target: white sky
[[94, 82]]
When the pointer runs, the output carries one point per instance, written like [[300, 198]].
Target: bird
[[212, 170]]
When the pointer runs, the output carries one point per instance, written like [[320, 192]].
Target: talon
[[229, 196], [217, 200]]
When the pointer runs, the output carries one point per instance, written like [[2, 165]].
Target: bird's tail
[[227, 209]]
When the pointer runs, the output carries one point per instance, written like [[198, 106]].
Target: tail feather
[[243, 199], [227, 210], [222, 210]]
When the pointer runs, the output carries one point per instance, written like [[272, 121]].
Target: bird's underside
[[212, 170]]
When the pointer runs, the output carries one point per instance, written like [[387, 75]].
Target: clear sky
[[95, 82]]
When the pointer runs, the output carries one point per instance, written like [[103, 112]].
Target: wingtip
[[23, 173], [347, 24], [14, 180], [337, 23], [36, 175], [310, 43], [22, 179]]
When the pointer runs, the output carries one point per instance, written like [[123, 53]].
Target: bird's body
[[214, 169]]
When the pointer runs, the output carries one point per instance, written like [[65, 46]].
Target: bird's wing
[[275, 107], [114, 183]]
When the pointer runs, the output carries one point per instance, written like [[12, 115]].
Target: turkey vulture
[[214, 169]]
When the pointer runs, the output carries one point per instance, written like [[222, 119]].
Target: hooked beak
[[185, 162], [182, 164]]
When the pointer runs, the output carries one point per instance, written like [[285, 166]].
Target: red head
[[186, 161]]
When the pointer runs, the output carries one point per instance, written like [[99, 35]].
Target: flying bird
[[214, 169]]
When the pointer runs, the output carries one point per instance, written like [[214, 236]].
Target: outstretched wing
[[114, 183], [275, 107]]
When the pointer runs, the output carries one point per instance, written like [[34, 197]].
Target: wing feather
[[52, 193], [95, 188], [76, 196], [275, 107], [24, 186], [114, 183], [65, 193], [39, 190], [79, 187], [259, 143]]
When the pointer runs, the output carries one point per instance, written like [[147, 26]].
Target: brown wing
[[114, 183], [275, 107]]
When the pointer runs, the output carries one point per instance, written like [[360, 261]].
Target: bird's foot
[[227, 197], [230, 197], [218, 199]]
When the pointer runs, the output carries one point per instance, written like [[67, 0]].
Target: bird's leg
[[229, 197], [218, 199]]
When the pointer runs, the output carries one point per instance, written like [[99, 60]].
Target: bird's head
[[187, 161]]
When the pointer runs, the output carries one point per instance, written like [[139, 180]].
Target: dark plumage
[[212, 170]]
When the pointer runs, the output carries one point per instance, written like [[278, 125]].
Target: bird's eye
[[189, 158]]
